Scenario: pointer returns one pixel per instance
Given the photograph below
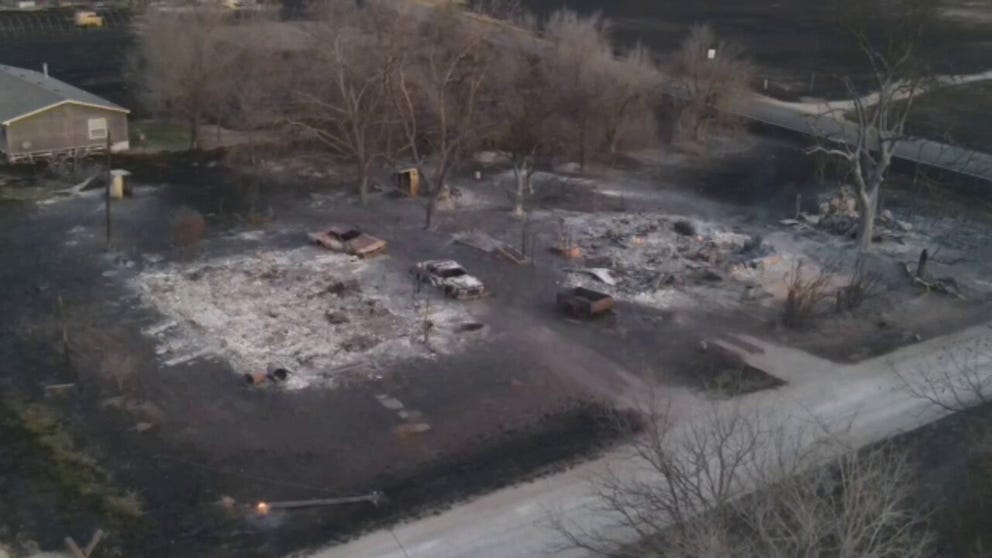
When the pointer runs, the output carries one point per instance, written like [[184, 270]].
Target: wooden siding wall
[[63, 127]]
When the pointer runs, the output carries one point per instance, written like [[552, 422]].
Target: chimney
[[44, 68]]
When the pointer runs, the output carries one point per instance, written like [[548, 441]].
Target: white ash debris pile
[[837, 213], [306, 310], [649, 252]]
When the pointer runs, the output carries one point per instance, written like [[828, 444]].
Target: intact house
[[44, 118]]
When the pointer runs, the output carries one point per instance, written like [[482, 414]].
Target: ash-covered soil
[[307, 310]]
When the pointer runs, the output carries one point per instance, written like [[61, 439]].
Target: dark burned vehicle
[[449, 276], [580, 302]]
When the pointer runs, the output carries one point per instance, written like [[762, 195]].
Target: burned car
[[349, 240], [449, 276], [580, 302]]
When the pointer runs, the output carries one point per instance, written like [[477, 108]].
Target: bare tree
[[524, 113], [897, 76], [629, 104], [733, 483], [602, 100], [437, 92], [179, 65], [342, 98], [954, 380], [706, 88], [958, 379], [579, 50], [608, 103], [257, 77]]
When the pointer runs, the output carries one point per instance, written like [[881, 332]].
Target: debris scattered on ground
[[684, 227], [307, 311], [87, 551], [486, 243], [600, 274], [944, 285], [142, 426], [650, 258], [512, 254], [78, 188], [274, 375], [478, 240], [409, 429], [58, 389], [838, 215]]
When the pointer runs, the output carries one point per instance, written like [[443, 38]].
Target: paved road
[[809, 119], [865, 403]]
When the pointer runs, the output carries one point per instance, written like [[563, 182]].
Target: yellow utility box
[[408, 181], [118, 183], [88, 19]]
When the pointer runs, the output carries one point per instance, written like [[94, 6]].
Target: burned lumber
[[946, 286]]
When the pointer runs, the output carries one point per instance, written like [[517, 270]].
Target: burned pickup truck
[[349, 240], [449, 276], [580, 302]]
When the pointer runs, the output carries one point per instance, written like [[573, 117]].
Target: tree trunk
[[363, 183], [820, 167], [430, 187], [194, 133], [697, 128], [520, 174], [611, 140], [867, 203], [921, 265], [582, 147], [429, 218]]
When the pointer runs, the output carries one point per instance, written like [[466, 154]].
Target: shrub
[[188, 227], [861, 286], [804, 297]]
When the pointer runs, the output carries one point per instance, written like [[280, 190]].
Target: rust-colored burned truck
[[349, 240], [580, 302]]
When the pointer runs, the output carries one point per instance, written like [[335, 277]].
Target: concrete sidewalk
[[862, 403]]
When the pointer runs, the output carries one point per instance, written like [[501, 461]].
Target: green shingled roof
[[24, 91]]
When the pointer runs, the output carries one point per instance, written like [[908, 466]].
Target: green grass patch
[[160, 135], [38, 436]]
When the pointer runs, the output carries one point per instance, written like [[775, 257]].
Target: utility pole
[[107, 192]]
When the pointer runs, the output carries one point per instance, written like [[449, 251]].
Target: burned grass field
[[499, 389], [799, 46]]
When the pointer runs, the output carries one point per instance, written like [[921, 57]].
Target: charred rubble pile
[[644, 253], [837, 213]]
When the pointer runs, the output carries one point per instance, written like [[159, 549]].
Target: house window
[[97, 128]]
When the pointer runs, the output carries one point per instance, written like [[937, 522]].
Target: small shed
[[44, 118], [408, 181]]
